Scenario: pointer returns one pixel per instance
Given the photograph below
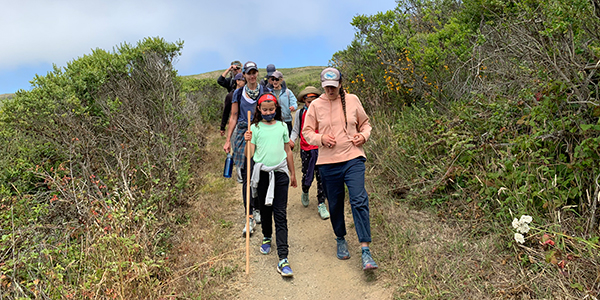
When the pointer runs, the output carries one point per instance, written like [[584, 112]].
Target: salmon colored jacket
[[327, 117]]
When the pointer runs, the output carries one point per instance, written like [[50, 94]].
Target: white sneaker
[[252, 225], [257, 217], [239, 175]]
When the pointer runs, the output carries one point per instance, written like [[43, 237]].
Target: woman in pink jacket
[[338, 124]]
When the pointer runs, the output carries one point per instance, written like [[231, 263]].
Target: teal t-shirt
[[269, 141]]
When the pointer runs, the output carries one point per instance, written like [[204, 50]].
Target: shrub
[[98, 159]]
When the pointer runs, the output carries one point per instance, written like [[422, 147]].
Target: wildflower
[[526, 219], [519, 238], [515, 223], [521, 226]]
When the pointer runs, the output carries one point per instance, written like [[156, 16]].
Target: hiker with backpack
[[285, 98], [308, 153], [244, 100]]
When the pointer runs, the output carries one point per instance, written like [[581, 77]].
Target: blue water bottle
[[228, 166]]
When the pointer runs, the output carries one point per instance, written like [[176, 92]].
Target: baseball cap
[[270, 70], [238, 76], [330, 77], [277, 74], [250, 65]]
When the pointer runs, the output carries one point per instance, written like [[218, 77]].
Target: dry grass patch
[[207, 253]]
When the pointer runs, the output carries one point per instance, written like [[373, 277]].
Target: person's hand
[[293, 182], [248, 135], [292, 109], [328, 140], [358, 140], [227, 147], [291, 144], [222, 132]]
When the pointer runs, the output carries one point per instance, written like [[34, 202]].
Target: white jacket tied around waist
[[281, 167]]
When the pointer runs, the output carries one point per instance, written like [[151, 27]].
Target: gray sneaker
[[322, 208], [252, 225], [257, 217], [304, 199], [342, 248]]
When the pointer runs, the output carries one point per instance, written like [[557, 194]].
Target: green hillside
[[294, 77], [5, 96]]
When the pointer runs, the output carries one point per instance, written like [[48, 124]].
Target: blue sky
[[37, 33]]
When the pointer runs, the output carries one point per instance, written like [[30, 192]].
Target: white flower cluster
[[522, 226]]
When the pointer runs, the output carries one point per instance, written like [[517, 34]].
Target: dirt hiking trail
[[318, 274]]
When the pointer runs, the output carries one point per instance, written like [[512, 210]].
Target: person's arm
[[364, 127], [293, 101], [232, 123], [311, 126], [225, 82], [295, 129], [252, 146], [290, 162]]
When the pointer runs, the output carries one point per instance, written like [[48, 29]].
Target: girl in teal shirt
[[273, 173]]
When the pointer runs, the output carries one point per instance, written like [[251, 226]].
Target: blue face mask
[[268, 118]]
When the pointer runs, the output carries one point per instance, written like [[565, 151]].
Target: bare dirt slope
[[318, 274]]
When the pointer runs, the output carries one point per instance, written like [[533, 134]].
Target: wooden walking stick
[[248, 197]]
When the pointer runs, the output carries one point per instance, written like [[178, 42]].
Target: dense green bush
[[487, 110], [95, 157]]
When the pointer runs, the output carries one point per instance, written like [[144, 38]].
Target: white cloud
[[40, 32]]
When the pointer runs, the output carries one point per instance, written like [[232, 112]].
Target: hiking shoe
[[342, 248], [239, 175], [252, 225], [323, 211], [283, 267], [257, 217], [265, 248], [305, 199], [367, 261]]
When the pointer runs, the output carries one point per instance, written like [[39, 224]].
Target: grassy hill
[[296, 78], [5, 96]]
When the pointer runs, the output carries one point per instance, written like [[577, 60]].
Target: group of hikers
[[332, 128]]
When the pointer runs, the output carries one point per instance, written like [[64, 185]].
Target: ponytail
[[343, 98]]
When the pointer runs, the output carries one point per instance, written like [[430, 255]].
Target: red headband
[[267, 97]]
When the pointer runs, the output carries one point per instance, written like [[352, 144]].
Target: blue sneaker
[[342, 248], [283, 267], [367, 261], [265, 248]]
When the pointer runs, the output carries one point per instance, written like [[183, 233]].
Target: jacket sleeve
[[296, 128], [311, 126], [224, 82], [363, 126], [293, 100]]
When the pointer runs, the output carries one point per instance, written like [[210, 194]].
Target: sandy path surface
[[318, 274]]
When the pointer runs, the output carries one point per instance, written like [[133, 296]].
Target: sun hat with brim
[[306, 91], [330, 77]]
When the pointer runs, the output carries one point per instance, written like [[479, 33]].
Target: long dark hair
[[343, 98], [258, 115]]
